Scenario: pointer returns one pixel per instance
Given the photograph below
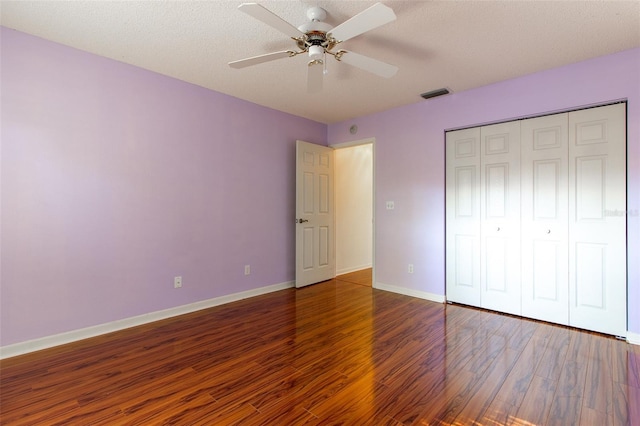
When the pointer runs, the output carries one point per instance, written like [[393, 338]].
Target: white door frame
[[367, 141]]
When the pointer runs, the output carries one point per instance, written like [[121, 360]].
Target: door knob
[[301, 220], [548, 231]]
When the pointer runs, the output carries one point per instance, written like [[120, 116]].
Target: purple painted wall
[[409, 159], [116, 179]]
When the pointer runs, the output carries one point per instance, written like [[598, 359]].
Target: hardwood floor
[[362, 277], [332, 353]]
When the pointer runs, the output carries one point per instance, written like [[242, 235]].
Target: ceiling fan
[[318, 39]]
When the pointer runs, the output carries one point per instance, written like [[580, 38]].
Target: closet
[[535, 222]]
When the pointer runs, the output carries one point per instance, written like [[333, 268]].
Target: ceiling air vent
[[434, 93]]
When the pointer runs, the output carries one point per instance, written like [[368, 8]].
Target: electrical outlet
[[177, 282], [391, 205], [410, 269], [247, 269]]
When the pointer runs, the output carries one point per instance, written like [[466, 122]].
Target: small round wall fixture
[[353, 129]]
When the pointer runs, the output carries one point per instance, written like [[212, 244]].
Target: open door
[[315, 240]]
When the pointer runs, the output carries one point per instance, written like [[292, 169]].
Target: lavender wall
[[115, 180], [409, 157]]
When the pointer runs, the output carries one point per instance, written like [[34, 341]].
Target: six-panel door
[[500, 217], [597, 220], [315, 242], [463, 216], [544, 189]]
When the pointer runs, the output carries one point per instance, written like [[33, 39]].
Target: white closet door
[[500, 217], [544, 193], [597, 220], [463, 216]]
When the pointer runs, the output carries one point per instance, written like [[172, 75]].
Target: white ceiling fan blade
[[371, 65], [255, 60], [270, 18], [368, 19], [315, 76]]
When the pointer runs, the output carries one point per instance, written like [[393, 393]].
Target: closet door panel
[[463, 216], [597, 223], [500, 217], [544, 186]]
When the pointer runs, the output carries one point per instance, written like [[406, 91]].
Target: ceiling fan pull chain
[[324, 63]]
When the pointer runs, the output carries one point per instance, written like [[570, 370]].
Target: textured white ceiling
[[455, 44]]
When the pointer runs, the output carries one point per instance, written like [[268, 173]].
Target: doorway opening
[[354, 201]]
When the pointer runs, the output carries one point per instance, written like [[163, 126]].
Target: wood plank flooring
[[332, 353], [362, 277]]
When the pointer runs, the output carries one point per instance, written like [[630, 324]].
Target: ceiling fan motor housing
[[315, 40], [316, 43]]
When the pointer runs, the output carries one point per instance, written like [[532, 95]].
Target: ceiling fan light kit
[[317, 39], [316, 52]]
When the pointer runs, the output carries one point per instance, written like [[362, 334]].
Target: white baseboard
[[633, 338], [409, 292], [85, 333], [354, 269]]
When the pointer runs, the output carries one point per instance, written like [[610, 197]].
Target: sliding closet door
[[544, 194], [463, 216], [597, 220], [500, 217]]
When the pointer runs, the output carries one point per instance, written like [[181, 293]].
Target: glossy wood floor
[[332, 353], [362, 277]]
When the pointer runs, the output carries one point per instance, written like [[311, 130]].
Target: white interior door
[[463, 216], [500, 217], [544, 194], [597, 219], [315, 239]]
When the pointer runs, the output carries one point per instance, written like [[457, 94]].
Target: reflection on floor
[[361, 277], [333, 353]]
